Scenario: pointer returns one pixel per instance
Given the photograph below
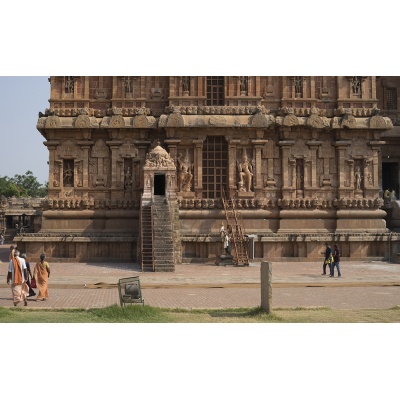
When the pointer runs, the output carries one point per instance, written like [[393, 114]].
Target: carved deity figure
[[128, 180], [68, 175], [185, 175], [245, 174], [242, 83], [356, 85], [128, 83], [357, 178], [69, 84], [299, 177], [298, 84], [185, 83]]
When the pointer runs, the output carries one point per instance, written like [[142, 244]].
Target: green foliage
[[25, 185]]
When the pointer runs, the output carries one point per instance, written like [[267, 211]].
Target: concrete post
[[266, 286]]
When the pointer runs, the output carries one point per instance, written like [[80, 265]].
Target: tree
[[22, 186]]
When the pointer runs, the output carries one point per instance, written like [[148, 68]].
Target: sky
[[44, 38], [21, 99]]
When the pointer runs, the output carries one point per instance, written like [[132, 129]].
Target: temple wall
[[300, 156]]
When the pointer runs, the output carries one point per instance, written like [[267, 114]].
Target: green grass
[[147, 314]]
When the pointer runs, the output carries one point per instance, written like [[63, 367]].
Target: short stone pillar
[[266, 286]]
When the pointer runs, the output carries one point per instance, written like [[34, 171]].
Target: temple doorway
[[159, 184], [390, 176]]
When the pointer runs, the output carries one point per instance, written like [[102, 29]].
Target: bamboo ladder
[[233, 219]]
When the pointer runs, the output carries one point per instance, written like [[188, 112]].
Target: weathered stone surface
[[52, 122]]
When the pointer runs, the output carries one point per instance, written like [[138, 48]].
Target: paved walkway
[[294, 284]]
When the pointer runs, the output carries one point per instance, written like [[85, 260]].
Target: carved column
[[375, 146], [341, 147], [85, 145], [172, 147], [198, 167], [52, 146], [258, 184], [114, 146], [173, 152], [285, 148], [142, 146], [313, 145], [232, 165]]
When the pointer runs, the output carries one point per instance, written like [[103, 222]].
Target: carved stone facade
[[301, 156]]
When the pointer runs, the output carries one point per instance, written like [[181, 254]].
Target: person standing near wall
[[327, 259], [336, 261]]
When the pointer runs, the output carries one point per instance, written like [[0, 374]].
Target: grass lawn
[[143, 314]]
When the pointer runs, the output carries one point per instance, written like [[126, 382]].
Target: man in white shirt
[[17, 274]]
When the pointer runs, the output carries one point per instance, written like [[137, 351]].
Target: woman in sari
[[42, 274]]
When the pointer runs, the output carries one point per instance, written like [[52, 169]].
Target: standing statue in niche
[[69, 84], [357, 178], [298, 84], [185, 175], [356, 85], [128, 180], [68, 175], [245, 174], [128, 82], [299, 177], [185, 83], [242, 83]]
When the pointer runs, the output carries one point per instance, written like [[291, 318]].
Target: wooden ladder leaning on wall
[[233, 220]]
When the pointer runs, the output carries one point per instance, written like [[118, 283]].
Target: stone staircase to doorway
[[162, 235], [157, 236]]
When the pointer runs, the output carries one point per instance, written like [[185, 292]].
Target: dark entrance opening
[[390, 176], [159, 184]]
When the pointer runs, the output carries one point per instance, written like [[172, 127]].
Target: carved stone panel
[[69, 149], [99, 163], [300, 150]]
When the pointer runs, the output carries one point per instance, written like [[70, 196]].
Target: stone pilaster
[[314, 145], [341, 147], [232, 165], [114, 147], [198, 167], [52, 147], [285, 148], [257, 178], [85, 145]]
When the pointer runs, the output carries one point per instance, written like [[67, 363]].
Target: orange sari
[[41, 274]]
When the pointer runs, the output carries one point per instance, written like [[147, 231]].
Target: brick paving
[[295, 284]]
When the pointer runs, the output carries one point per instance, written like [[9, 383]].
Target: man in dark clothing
[[327, 260], [336, 260]]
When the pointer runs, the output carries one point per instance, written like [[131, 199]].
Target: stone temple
[[147, 168]]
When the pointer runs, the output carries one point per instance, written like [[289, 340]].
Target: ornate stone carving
[[185, 174], [359, 149], [159, 157], [83, 121], [69, 149], [52, 122], [290, 120], [117, 121], [349, 120], [300, 150], [261, 120], [217, 120], [315, 121], [377, 122], [175, 119], [245, 169], [128, 150], [100, 159]]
